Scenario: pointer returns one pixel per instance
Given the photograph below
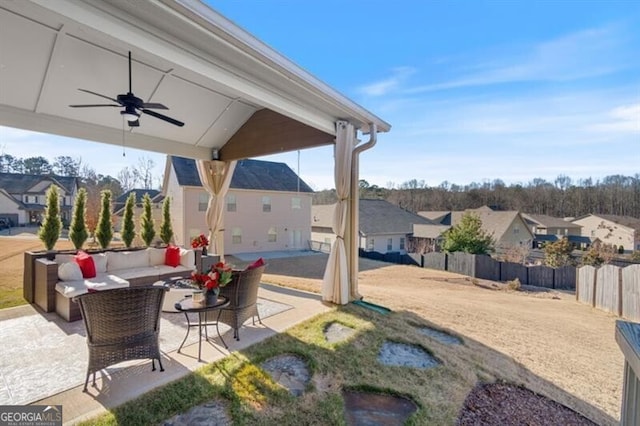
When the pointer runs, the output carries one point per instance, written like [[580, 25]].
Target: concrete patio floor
[[129, 380]]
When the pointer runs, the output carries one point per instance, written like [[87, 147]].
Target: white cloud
[[589, 53], [625, 118], [383, 87]]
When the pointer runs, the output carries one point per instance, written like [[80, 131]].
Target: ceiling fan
[[132, 106]]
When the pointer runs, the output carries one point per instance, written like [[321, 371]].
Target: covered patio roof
[[235, 94]]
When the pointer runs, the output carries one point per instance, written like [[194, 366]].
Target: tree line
[[564, 197]]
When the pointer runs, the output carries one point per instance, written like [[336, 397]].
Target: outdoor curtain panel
[[216, 178], [335, 284]]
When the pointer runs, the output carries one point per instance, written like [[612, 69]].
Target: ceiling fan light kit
[[131, 105]]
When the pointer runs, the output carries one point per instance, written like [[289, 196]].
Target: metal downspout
[[354, 210]]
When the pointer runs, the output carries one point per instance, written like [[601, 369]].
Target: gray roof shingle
[[16, 183], [376, 217], [249, 174]]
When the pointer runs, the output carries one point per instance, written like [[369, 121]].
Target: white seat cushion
[[130, 274], [100, 282], [164, 269]]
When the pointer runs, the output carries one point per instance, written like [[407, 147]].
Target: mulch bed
[[505, 404]]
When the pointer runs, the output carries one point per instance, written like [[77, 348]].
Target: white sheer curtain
[[335, 284], [216, 177]]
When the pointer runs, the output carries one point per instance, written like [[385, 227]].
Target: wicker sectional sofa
[[114, 269]]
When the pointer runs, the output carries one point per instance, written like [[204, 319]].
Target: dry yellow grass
[[12, 266]]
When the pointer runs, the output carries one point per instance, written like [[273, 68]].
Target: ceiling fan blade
[[98, 94], [163, 117], [95, 105], [153, 105]]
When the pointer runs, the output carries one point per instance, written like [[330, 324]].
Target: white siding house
[[267, 207], [23, 197], [609, 229]]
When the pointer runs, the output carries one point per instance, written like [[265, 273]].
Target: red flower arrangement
[[218, 276], [199, 241]]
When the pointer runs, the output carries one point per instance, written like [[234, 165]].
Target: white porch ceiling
[[209, 73]]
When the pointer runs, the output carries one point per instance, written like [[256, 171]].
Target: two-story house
[[619, 231], [549, 229], [507, 228], [383, 227], [23, 198], [268, 206]]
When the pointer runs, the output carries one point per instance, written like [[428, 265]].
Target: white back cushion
[[156, 256], [127, 259], [69, 271], [187, 258], [100, 260]]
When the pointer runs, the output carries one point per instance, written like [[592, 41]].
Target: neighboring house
[[23, 198], [268, 207], [508, 228], [384, 227], [550, 229], [610, 229], [156, 210]]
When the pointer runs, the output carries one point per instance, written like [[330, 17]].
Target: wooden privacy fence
[[485, 267], [611, 289]]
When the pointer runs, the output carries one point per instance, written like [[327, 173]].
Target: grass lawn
[[12, 267]]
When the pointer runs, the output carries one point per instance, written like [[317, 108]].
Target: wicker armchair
[[122, 324], [242, 291]]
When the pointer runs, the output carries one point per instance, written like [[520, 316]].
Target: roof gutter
[[354, 209]]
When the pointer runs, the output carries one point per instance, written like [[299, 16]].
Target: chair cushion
[[69, 271], [172, 256], [100, 260], [117, 260], [187, 258], [100, 282], [133, 273], [87, 266], [258, 263], [156, 256]]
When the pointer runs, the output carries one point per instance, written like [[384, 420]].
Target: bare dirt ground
[[545, 341]]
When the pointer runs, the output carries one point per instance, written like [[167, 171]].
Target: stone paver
[[288, 371], [372, 409], [337, 332], [212, 413], [440, 336], [404, 355]]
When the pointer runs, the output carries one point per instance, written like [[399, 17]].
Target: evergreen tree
[[50, 230], [468, 236], [147, 231], [104, 231], [558, 254], [166, 231], [128, 225], [78, 233]]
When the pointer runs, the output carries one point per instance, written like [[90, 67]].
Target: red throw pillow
[[172, 256], [258, 263], [87, 266]]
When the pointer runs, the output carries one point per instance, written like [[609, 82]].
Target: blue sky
[[474, 90]]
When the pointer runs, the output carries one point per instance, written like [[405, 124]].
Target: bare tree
[[143, 172]]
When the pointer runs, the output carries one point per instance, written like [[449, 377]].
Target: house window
[[203, 202], [272, 235], [389, 244], [266, 204], [401, 243], [593, 233], [236, 235], [516, 229], [295, 203], [231, 203], [370, 244]]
